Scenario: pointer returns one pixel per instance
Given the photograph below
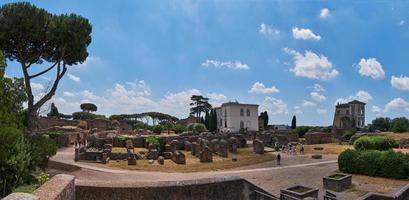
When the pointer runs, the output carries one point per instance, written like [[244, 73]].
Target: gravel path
[[298, 169]]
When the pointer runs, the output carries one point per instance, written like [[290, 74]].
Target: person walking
[[302, 149], [278, 159]]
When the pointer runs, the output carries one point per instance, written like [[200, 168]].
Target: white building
[[234, 116]]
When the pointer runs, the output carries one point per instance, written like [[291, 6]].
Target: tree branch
[[50, 94], [43, 72]]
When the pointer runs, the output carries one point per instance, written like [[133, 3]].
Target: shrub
[[179, 128], [157, 129], [197, 127], [200, 127], [54, 135], [190, 127], [388, 164], [42, 148], [375, 143], [154, 139], [348, 134], [301, 130], [400, 125]]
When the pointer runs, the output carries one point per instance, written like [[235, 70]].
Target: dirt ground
[[396, 136], [244, 157], [332, 148]]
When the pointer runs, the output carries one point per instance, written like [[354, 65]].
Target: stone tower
[[349, 116]]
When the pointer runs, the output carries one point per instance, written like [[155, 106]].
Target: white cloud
[[304, 34], [216, 99], [402, 22], [317, 97], [261, 89], [237, 65], [400, 83], [267, 30], [371, 67], [91, 61], [321, 111], [297, 110], [74, 78], [140, 87], [311, 65], [274, 106], [318, 88], [376, 109], [309, 104], [37, 86], [324, 13], [360, 96], [397, 103], [68, 94]]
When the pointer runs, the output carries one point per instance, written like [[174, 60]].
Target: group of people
[[289, 149]]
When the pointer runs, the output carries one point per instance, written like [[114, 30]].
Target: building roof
[[340, 105], [237, 103]]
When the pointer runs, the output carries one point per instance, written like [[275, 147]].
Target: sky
[[290, 57]]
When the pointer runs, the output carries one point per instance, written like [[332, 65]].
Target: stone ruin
[[206, 155], [258, 146], [95, 148], [98, 147], [318, 137]]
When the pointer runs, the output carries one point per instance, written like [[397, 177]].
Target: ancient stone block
[[131, 161], [138, 142], [167, 155], [167, 147], [222, 150], [258, 146], [105, 158], [153, 154], [193, 148], [174, 146], [206, 155], [161, 160], [152, 147], [214, 145], [198, 149], [233, 145], [188, 146], [178, 157]]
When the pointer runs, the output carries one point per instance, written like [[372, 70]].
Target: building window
[[347, 112], [241, 125], [248, 112], [241, 112]]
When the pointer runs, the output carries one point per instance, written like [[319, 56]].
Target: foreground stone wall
[[227, 188], [60, 187], [402, 194]]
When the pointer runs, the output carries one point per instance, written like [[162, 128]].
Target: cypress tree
[[294, 122]]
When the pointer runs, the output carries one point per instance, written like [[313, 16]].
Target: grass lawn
[[332, 148], [244, 157]]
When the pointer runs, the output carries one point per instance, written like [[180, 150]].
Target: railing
[[258, 195], [288, 197], [329, 196]]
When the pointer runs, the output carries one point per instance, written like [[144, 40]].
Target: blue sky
[[290, 57]]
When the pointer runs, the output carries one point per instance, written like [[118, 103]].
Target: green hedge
[[375, 143], [387, 164]]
